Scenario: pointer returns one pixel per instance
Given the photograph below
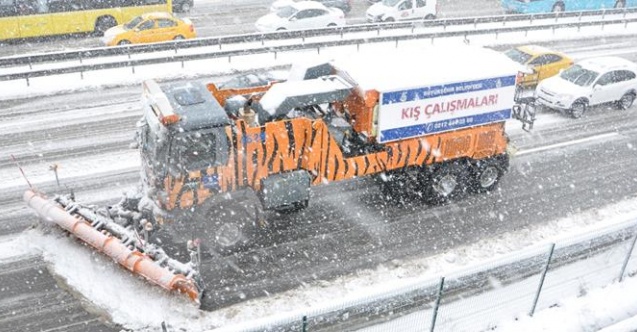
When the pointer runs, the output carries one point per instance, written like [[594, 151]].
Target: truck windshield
[[578, 75], [199, 150], [391, 3], [518, 56]]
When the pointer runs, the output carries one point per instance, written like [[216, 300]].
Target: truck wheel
[[620, 4], [445, 182], [402, 187], [626, 101], [578, 108], [230, 225], [486, 175]]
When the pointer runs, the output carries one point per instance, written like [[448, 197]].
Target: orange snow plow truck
[[215, 161]]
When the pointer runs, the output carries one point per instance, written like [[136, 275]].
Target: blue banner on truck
[[433, 109]]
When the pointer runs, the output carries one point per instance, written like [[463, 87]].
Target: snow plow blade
[[128, 256]]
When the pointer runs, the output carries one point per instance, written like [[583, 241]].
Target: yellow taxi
[[540, 62], [150, 28]]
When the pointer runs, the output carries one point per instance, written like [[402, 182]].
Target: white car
[[401, 10], [590, 82], [301, 15]]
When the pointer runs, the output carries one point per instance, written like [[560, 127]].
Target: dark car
[[344, 5], [182, 6]]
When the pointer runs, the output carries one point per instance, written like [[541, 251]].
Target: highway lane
[[32, 300], [348, 226], [220, 17]]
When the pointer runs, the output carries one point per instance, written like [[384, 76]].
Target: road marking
[[563, 144]]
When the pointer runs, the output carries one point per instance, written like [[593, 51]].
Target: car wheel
[[626, 101], [185, 7], [104, 23], [578, 109], [389, 19], [620, 4], [430, 17], [331, 25], [123, 42], [558, 8], [280, 29], [179, 37]]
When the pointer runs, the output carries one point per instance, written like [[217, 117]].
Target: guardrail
[[81, 55], [298, 46], [440, 300]]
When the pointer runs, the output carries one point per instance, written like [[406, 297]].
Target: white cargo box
[[436, 90]]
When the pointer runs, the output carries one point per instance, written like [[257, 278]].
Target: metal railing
[[81, 55], [295, 46], [292, 37]]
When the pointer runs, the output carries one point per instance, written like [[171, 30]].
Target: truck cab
[[182, 131], [402, 10]]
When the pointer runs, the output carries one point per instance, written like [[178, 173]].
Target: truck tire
[[485, 175], [626, 101], [620, 4], [231, 225], [402, 186], [578, 108], [445, 182]]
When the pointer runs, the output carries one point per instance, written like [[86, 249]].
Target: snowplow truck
[[215, 161]]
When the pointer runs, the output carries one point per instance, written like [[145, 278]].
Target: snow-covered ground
[[597, 309]]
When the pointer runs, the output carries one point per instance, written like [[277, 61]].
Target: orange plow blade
[[127, 256]]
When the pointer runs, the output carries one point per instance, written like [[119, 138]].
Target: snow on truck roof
[[394, 70]]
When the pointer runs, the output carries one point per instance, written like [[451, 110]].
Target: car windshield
[[286, 11], [518, 56], [390, 3], [579, 76], [133, 23]]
